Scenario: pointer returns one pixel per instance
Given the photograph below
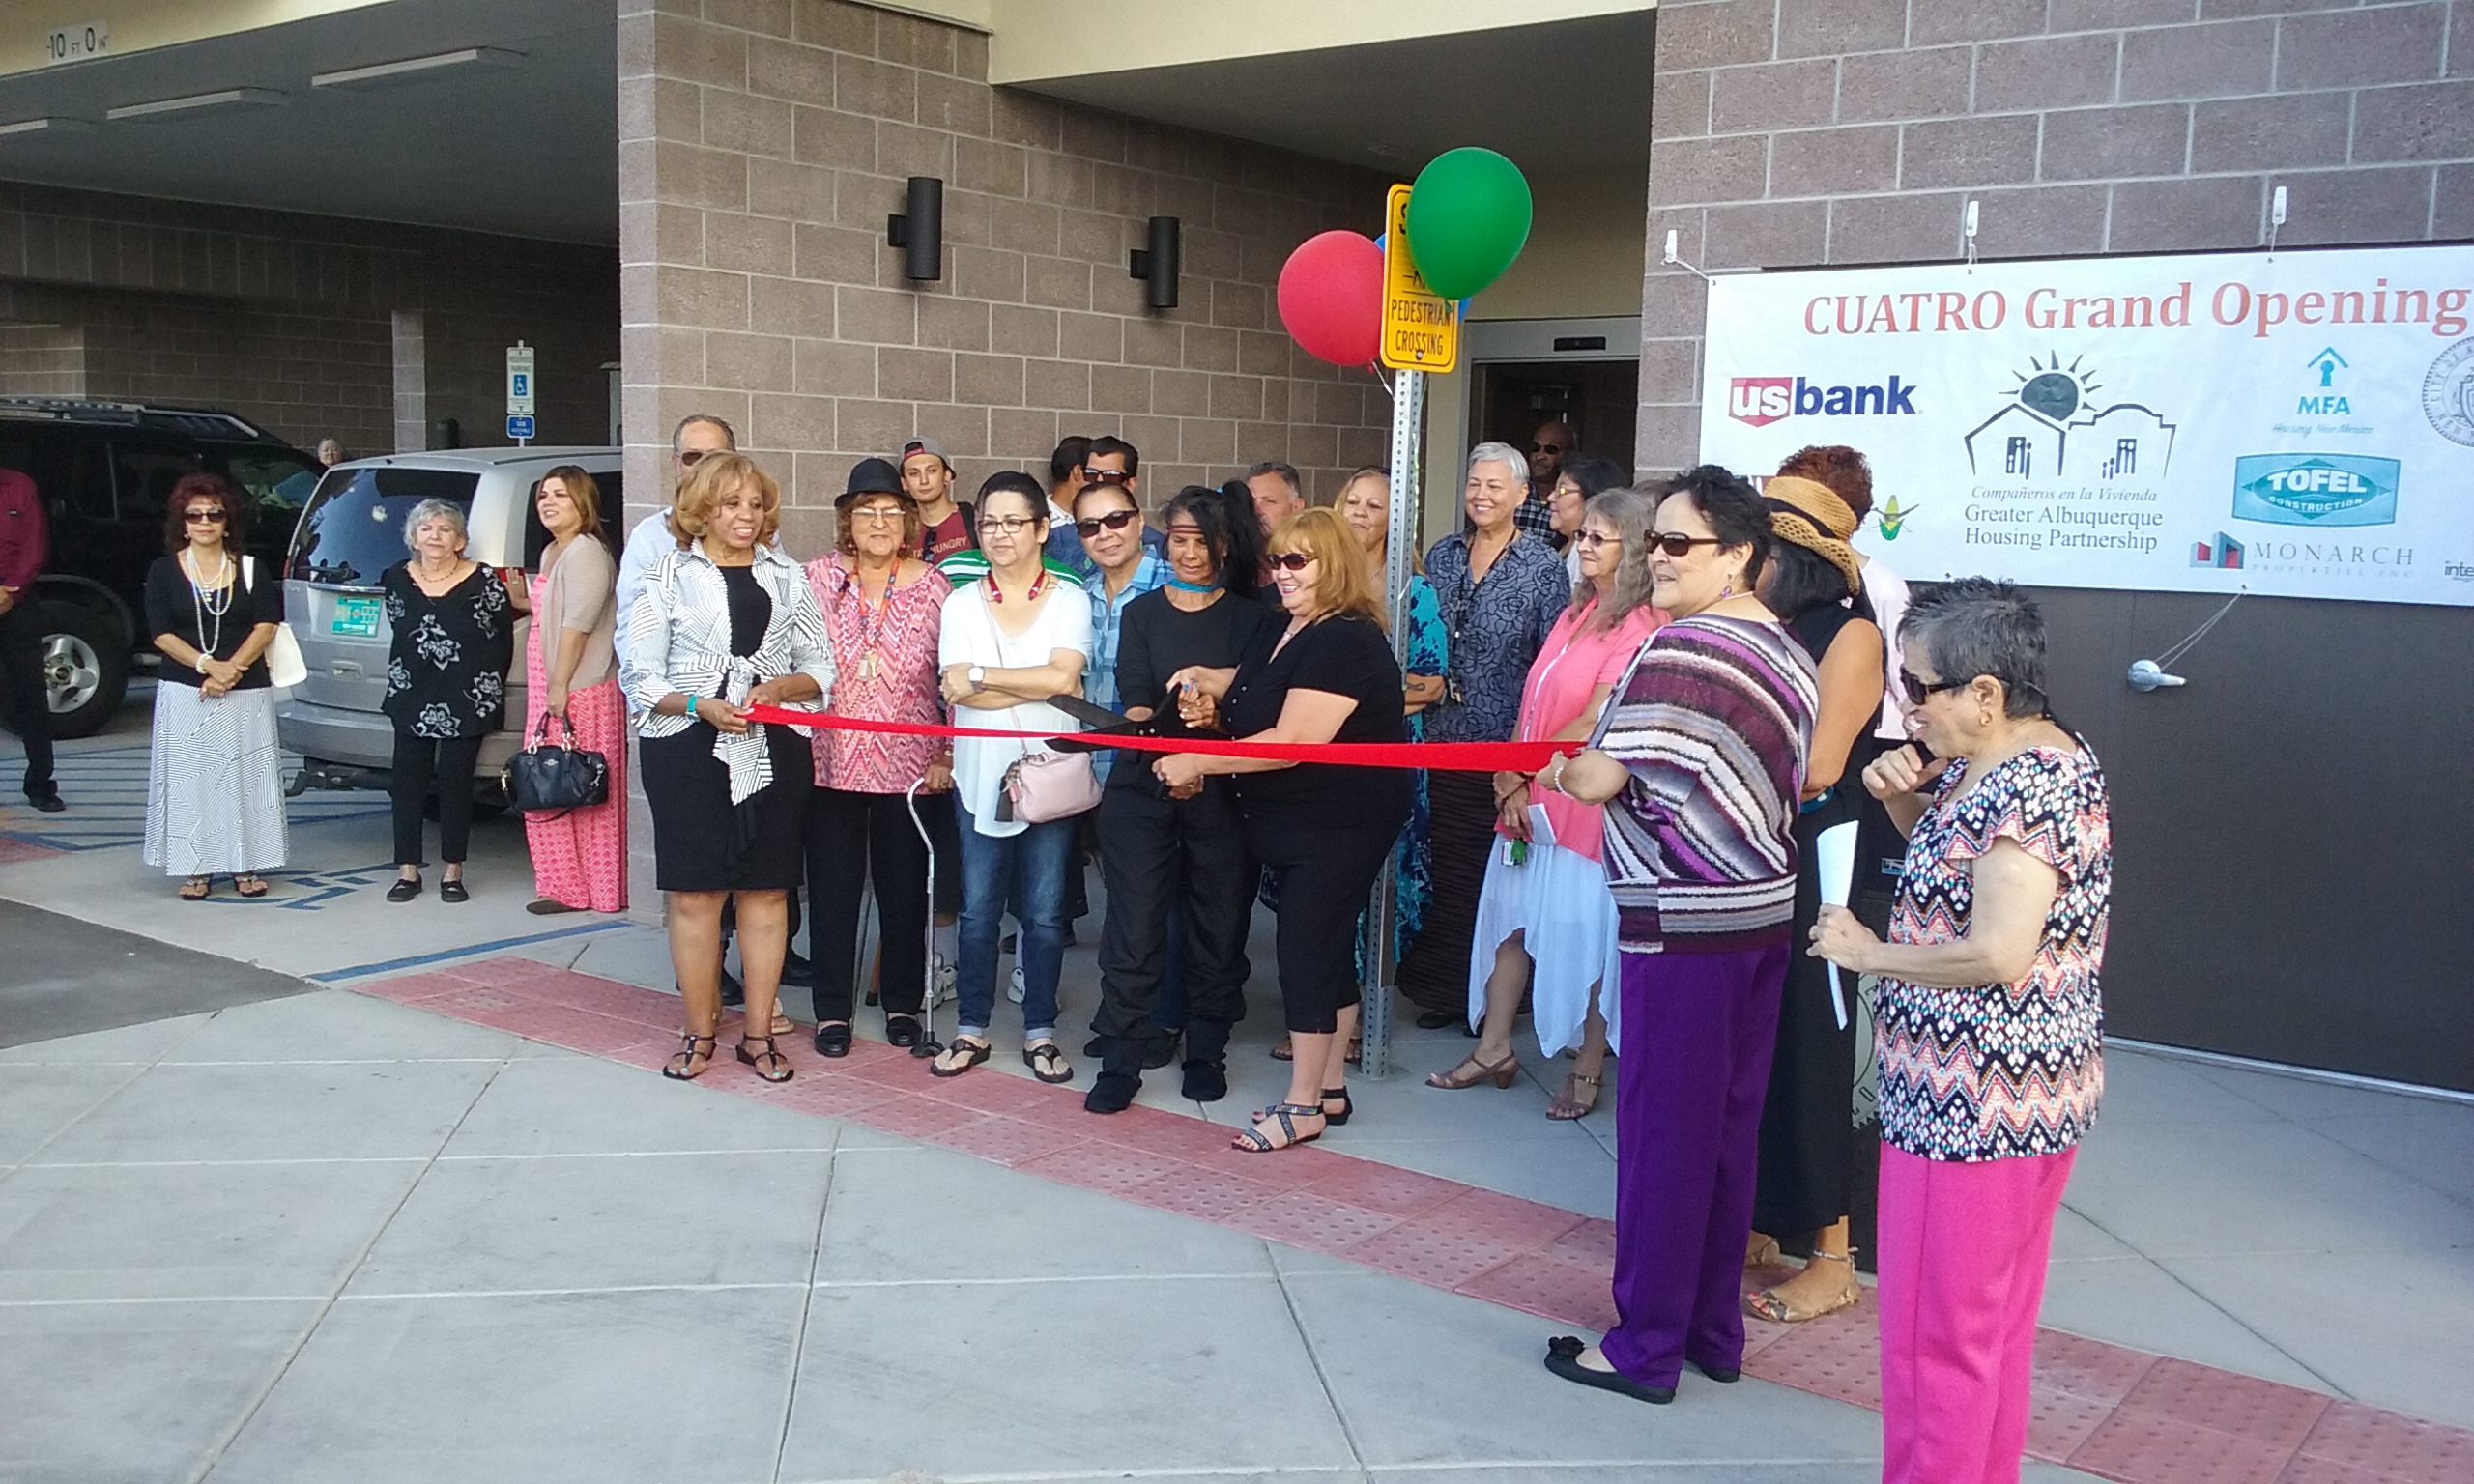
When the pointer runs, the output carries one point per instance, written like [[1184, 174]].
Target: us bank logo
[[2314, 489]]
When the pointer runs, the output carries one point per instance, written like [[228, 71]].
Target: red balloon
[[1331, 296]]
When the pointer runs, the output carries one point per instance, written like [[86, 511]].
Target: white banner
[[2300, 426]]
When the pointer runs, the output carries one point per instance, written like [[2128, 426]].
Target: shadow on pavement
[[62, 976]]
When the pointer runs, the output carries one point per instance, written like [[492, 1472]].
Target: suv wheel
[[85, 669]]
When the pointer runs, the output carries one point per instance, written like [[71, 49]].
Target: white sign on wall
[[2300, 426]]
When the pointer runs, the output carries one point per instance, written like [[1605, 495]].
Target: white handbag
[[285, 665]]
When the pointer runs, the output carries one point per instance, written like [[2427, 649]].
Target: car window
[[354, 528], [275, 479], [143, 477]]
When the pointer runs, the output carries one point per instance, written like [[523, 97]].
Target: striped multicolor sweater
[[1714, 719]]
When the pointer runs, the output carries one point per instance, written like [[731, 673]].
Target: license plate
[[356, 618]]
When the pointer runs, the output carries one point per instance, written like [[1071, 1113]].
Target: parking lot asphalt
[[62, 976]]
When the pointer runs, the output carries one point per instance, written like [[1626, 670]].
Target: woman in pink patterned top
[[880, 607]]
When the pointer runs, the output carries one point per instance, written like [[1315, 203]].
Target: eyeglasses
[[1009, 525], [1593, 539], [1290, 561], [211, 517], [1545, 447], [1919, 691], [1106, 475], [880, 514], [1114, 520], [1677, 545]]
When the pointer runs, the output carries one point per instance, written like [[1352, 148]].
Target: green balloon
[[1468, 217]]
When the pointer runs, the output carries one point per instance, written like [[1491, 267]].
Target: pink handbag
[[1048, 785]]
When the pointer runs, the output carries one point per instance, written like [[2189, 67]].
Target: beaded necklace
[[205, 607]]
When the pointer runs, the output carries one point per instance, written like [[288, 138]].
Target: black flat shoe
[[1564, 1358], [1112, 1092], [1163, 1049], [404, 891], [47, 803], [453, 891], [833, 1039], [1437, 1019], [902, 1030], [1206, 1081], [1725, 1376]]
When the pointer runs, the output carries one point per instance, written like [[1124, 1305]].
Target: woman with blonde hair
[[1322, 828], [724, 623], [571, 672]]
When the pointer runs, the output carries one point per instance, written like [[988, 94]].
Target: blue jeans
[[1030, 866]]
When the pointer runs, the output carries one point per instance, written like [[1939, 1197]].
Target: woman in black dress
[[1805, 1187], [1323, 829], [726, 622], [1158, 852], [452, 627]]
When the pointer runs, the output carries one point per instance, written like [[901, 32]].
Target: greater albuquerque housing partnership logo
[[2314, 489]]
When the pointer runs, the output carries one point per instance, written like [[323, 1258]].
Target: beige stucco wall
[[1584, 256], [1041, 38]]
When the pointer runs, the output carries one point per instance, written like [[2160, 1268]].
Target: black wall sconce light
[[1157, 264], [920, 230]]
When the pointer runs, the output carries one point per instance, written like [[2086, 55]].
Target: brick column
[[411, 381]]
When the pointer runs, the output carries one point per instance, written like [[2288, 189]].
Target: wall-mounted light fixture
[[920, 230], [227, 98], [386, 74], [1157, 264], [24, 128]]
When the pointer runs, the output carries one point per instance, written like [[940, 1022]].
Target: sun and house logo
[[2316, 489], [2224, 552], [1762, 400], [1892, 519], [2045, 422], [2327, 401]]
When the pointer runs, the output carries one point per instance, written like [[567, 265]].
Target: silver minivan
[[353, 529]]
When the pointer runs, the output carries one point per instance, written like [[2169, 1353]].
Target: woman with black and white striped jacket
[[726, 622]]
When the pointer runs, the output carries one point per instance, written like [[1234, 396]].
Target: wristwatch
[[978, 676]]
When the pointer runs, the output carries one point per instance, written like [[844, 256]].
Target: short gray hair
[[1629, 512], [1515, 462], [1972, 626], [729, 435], [429, 510]]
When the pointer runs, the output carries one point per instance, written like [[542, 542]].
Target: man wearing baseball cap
[[928, 477]]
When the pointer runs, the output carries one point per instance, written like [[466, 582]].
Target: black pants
[[1461, 834], [420, 762], [851, 838], [1324, 874], [1157, 854], [25, 704]]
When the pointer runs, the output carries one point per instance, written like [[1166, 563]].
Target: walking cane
[[928, 1045]]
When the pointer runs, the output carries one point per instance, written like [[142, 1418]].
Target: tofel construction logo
[[1762, 400]]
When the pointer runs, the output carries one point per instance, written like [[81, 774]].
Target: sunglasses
[[1290, 561], [1106, 476], [1675, 545], [1919, 691], [211, 517], [689, 458], [1545, 447], [1114, 520]]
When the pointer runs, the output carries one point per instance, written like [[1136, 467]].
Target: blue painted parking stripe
[[364, 970]]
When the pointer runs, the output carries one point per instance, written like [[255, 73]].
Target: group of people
[[1731, 676]]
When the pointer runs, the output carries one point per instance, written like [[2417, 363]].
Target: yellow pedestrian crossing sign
[[1421, 327]]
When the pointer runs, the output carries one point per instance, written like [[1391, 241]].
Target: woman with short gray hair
[[453, 638], [1989, 1026]]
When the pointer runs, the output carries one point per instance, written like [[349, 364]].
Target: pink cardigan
[[1571, 665]]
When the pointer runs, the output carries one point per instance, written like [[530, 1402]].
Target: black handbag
[[543, 779]]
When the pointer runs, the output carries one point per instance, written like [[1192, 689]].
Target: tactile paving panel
[[1008, 1141], [1552, 1288], [827, 1095], [1590, 1242], [1382, 1187], [1317, 1223], [1836, 1355], [2262, 1412], [1108, 1168], [465, 1000], [1168, 1133], [1443, 1256], [2406, 1450], [406, 988], [1524, 1226], [2058, 1422], [583, 992], [15, 851], [2154, 1447], [915, 1117], [986, 1089], [1208, 1195], [496, 971], [2088, 1369]]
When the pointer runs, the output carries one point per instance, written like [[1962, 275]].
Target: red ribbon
[[1440, 756]]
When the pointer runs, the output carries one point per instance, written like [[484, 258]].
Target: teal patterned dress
[[1426, 656]]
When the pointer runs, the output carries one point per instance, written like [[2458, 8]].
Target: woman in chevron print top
[[1989, 1025]]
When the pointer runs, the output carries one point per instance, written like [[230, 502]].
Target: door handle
[[344, 667]]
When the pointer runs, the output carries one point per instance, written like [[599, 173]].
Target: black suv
[[103, 470]]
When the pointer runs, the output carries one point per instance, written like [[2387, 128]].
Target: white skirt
[[214, 784], [1559, 901]]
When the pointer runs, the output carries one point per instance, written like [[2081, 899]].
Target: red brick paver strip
[[2102, 1409]]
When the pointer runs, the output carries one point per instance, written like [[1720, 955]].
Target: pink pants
[[1962, 1252]]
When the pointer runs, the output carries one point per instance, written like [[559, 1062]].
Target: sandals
[[1047, 1062], [1332, 1118], [682, 1066], [251, 885], [971, 1053], [769, 1064], [197, 888], [1773, 1306], [1472, 1072], [1255, 1141], [1568, 1104], [1761, 1252]]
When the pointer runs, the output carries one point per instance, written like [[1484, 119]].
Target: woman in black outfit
[[726, 622], [452, 627], [1322, 829], [1805, 1187], [1157, 851]]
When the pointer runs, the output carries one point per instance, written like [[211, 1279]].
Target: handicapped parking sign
[[518, 426]]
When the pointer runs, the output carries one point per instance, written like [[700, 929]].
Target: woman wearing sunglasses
[[1322, 828], [1699, 761], [1545, 918], [214, 785], [1179, 877], [1988, 1024]]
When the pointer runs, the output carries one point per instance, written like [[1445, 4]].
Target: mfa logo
[[1762, 400], [2314, 489], [2224, 552], [2448, 394], [2327, 401]]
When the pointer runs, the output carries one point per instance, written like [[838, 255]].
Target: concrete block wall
[[42, 360], [287, 319], [761, 147], [1798, 132]]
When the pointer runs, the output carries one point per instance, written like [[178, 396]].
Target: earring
[[1727, 592]]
